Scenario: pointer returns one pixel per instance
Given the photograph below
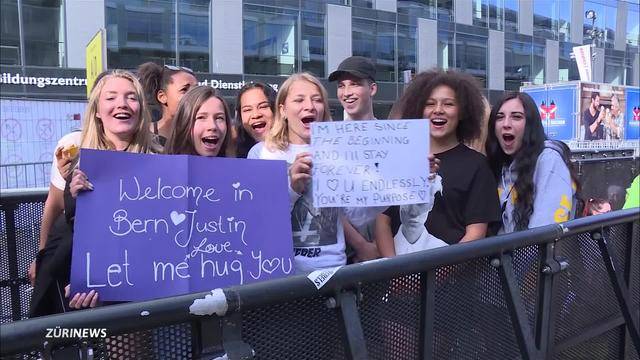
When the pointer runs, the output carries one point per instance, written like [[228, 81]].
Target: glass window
[[517, 64], [471, 56], [406, 49], [376, 40], [269, 40], [312, 47], [338, 2], [480, 12], [445, 10], [511, 15], [633, 25], [496, 14], [614, 70], [418, 8], [564, 21], [567, 67], [316, 6], [140, 31], [193, 44], [445, 50], [611, 14], [368, 4], [545, 19], [629, 74], [537, 65], [9, 33], [43, 30]]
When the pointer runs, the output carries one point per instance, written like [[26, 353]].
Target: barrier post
[[632, 275], [546, 312], [350, 318], [618, 283], [514, 303], [206, 336], [12, 255], [427, 312]]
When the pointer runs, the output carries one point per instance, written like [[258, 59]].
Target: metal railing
[[569, 291], [25, 175]]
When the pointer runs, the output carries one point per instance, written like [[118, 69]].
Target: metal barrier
[[569, 291], [25, 175], [20, 215]]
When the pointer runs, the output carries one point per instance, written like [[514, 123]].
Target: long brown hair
[[181, 139]]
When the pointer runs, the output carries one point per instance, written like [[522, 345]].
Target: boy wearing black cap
[[356, 87]]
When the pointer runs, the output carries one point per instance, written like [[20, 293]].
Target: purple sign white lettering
[[164, 225]]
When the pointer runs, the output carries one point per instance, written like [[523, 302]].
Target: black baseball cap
[[358, 66]]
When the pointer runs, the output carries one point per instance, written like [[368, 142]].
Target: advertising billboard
[[601, 112], [557, 108], [632, 114]]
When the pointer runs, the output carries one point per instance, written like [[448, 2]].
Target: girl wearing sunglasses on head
[[165, 86]]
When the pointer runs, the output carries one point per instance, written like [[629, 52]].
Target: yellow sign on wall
[[96, 53]]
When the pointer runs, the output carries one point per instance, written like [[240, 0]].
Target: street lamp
[[590, 14], [594, 33]]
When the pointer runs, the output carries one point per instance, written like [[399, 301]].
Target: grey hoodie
[[554, 195]]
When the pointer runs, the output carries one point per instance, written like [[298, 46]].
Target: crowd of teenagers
[[492, 170]]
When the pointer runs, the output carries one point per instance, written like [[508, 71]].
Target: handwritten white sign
[[370, 163]]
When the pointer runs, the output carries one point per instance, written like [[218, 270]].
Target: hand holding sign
[[370, 163], [162, 225], [79, 182], [300, 172]]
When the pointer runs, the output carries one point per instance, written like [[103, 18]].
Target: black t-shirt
[[469, 196], [587, 121]]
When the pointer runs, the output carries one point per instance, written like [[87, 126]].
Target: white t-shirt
[[318, 235], [412, 235], [71, 138]]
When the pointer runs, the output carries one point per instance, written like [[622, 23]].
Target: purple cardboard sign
[[164, 225]]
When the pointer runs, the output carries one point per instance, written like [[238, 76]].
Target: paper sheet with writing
[[370, 163], [164, 225]]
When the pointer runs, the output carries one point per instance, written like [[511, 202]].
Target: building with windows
[[503, 43]]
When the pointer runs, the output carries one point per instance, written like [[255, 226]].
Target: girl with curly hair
[[454, 106]]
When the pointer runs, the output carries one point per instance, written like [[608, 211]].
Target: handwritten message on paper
[[164, 225], [370, 163]]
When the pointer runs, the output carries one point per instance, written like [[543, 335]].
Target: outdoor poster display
[[165, 225], [601, 112], [370, 163], [632, 114], [556, 106]]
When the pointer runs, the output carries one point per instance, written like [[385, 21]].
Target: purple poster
[[164, 225]]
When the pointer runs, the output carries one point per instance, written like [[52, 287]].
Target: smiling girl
[[255, 109], [318, 234], [201, 124], [116, 118], [453, 104], [535, 184], [165, 85]]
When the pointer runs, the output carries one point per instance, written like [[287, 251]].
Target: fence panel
[[482, 300]]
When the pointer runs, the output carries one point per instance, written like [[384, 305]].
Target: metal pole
[[177, 31], [21, 35], [593, 47]]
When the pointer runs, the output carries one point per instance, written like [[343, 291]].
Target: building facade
[[503, 43]]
